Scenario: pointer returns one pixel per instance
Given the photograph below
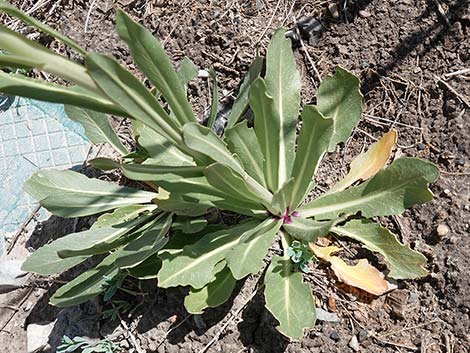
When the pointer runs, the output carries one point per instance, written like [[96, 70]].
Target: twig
[[173, 328], [22, 228], [229, 321], [409, 328], [411, 348], [131, 335], [456, 73], [269, 23], [442, 12], [304, 48], [450, 88], [88, 15], [19, 306]]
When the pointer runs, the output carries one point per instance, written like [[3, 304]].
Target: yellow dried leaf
[[369, 163], [362, 275]]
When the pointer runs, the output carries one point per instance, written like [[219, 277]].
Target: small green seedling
[[263, 173], [75, 344]]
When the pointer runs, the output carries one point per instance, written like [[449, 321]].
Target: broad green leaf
[[214, 100], [362, 275], [187, 71], [389, 192], [15, 12], [367, 164], [146, 245], [183, 207], [19, 85], [212, 295], [339, 98], [194, 265], [151, 58], [404, 263], [307, 229], [44, 59], [88, 285], [45, 261], [282, 199], [125, 90], [288, 298], [148, 269], [203, 140], [159, 149], [242, 141], [266, 120], [189, 225], [121, 215], [149, 172], [104, 163], [225, 180], [248, 255], [312, 143], [243, 97], [283, 84], [101, 240], [71, 194], [97, 127]]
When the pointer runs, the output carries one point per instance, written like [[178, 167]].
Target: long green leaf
[[159, 149], [213, 294], [122, 215], [307, 229], [243, 97], [283, 84], [151, 58], [282, 199], [45, 261], [339, 99], [265, 123], [247, 257], [97, 127], [312, 143], [404, 263], [19, 85], [15, 12], [389, 192], [149, 172], [242, 141], [203, 140], [88, 285], [44, 59], [125, 90], [194, 265], [70, 194], [214, 100], [146, 245], [288, 298]]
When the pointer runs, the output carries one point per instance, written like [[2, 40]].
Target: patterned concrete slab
[[33, 135]]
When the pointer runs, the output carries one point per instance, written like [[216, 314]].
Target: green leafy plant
[[263, 173], [69, 345]]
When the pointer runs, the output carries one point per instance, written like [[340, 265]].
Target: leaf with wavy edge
[[404, 263]]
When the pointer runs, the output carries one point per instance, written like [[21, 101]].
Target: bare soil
[[408, 54]]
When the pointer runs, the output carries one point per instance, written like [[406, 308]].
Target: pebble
[[333, 8], [412, 298], [37, 336], [442, 230], [362, 335], [364, 14], [354, 344], [202, 74], [324, 315], [335, 336]]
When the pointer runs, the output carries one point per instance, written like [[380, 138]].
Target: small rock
[[447, 192], [362, 335], [412, 298], [460, 162], [324, 315], [354, 344], [453, 239], [11, 276], [333, 8], [421, 146], [335, 336], [203, 74], [37, 336], [364, 14], [442, 230]]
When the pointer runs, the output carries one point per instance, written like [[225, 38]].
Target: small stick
[[456, 73], [22, 228], [442, 12], [19, 306], [450, 88], [269, 23], [88, 15], [410, 328], [132, 336]]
